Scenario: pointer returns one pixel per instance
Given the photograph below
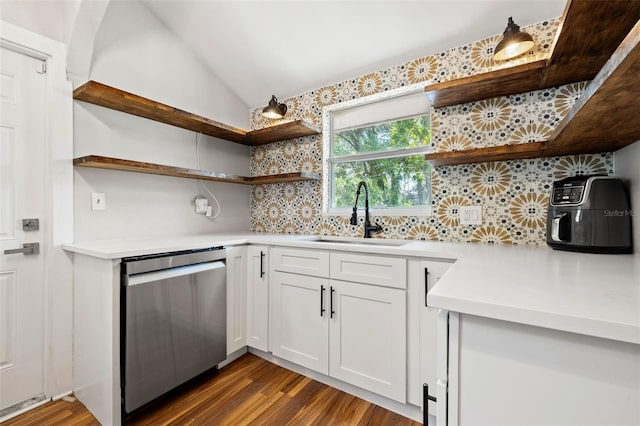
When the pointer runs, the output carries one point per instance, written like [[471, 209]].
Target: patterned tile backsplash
[[513, 194]]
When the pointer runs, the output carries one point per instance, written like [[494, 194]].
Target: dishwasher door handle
[[164, 274]]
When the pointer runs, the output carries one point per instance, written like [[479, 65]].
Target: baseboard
[[37, 402], [406, 410], [233, 356], [62, 395]]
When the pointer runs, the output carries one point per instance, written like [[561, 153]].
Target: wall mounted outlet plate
[[470, 215], [98, 201], [201, 205]]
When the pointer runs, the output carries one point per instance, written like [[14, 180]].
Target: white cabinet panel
[[422, 275], [370, 269], [258, 297], [514, 374], [368, 338], [299, 312], [236, 298], [300, 261], [430, 273]]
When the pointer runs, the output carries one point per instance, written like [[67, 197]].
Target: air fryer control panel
[[567, 195], [570, 191]]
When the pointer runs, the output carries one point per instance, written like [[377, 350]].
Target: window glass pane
[[408, 133], [392, 182]]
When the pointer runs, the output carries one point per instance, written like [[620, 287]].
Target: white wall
[[627, 162], [135, 52], [52, 19]]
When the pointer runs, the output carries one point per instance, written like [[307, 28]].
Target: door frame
[[57, 223]]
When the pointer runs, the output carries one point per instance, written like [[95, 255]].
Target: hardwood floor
[[249, 391]]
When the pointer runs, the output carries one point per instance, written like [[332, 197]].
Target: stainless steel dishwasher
[[173, 321]]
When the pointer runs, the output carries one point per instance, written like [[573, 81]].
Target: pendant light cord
[[201, 184]]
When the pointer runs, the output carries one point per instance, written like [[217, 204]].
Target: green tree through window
[[384, 155]]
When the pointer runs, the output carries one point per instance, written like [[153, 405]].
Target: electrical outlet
[[470, 215], [201, 205], [98, 201]]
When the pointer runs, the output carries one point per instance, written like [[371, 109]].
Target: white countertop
[[596, 295]]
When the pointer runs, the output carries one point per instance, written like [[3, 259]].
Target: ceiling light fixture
[[514, 43], [274, 110]]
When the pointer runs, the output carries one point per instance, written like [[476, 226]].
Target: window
[[381, 141]]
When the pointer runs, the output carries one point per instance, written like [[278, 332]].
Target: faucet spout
[[368, 228]]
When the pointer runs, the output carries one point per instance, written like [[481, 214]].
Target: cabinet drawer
[[300, 261], [369, 269]]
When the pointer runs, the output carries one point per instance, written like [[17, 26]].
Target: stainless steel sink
[[364, 241]]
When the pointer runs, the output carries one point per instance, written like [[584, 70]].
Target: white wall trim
[[58, 220]]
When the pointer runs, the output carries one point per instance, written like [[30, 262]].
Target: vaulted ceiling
[[288, 47]]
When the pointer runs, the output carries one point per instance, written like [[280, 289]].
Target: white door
[[299, 312], [258, 297], [22, 86], [368, 344]]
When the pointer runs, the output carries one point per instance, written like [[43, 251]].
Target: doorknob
[[27, 248]]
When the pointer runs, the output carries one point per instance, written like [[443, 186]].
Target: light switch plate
[[98, 201], [470, 215]]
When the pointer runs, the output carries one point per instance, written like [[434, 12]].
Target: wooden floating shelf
[[109, 163], [503, 82], [492, 153], [282, 132], [603, 119], [590, 31], [119, 100]]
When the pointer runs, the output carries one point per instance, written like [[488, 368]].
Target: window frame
[[328, 160]]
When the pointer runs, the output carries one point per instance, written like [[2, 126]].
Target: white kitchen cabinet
[[236, 298], [299, 313], [300, 261], [258, 297], [370, 269], [368, 341], [422, 275], [351, 331], [504, 373]]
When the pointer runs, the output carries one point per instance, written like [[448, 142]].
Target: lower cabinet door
[[368, 337], [236, 298], [258, 297], [430, 272], [299, 313]]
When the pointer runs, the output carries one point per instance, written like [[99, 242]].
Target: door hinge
[[42, 68]]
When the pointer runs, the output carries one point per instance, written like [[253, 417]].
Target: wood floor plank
[[296, 401], [313, 412], [249, 391]]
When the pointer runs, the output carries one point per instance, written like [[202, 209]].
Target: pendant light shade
[[514, 43], [274, 110]]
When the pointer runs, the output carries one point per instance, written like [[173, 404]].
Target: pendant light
[[514, 43], [274, 110]]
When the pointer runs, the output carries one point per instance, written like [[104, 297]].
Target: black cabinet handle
[[322, 289], [331, 302], [261, 265], [426, 285], [425, 401]]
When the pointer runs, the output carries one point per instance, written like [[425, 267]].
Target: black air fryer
[[589, 214]]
